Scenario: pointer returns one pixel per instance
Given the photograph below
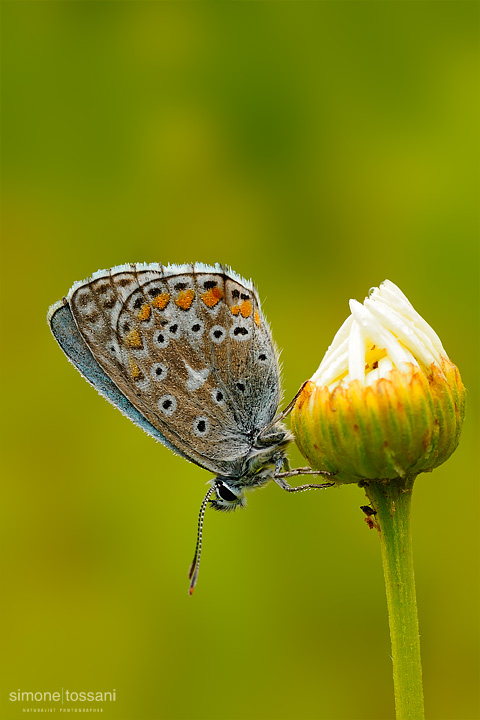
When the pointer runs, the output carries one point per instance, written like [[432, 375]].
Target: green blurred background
[[318, 148]]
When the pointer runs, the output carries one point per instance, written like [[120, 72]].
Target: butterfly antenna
[[194, 567]]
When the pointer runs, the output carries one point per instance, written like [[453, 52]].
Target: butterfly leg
[[279, 477], [291, 404], [283, 414]]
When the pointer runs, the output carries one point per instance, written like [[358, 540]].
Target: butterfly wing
[[67, 334], [188, 350]]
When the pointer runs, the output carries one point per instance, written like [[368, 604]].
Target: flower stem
[[392, 503]]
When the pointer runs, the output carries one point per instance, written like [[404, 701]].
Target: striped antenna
[[194, 567]]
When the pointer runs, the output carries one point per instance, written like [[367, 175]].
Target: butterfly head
[[226, 496]]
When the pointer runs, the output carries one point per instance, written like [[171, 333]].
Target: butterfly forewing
[[190, 349]]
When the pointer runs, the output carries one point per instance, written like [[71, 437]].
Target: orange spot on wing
[[135, 371], [184, 299], [246, 308], [144, 313], [257, 318], [212, 296], [161, 301], [133, 339], [235, 309]]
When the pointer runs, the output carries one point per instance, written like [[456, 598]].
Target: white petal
[[335, 371], [393, 296], [338, 344], [430, 338], [335, 360], [388, 321], [325, 367], [434, 348], [379, 335], [371, 377], [384, 367], [389, 290], [404, 331], [356, 353]]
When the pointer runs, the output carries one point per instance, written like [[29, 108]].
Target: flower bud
[[386, 401]]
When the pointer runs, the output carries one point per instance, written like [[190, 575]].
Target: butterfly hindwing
[[66, 333]]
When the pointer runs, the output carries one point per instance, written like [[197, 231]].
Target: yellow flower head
[[386, 401]]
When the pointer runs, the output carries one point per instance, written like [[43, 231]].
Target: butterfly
[[185, 352]]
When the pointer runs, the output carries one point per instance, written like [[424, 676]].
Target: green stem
[[392, 503]]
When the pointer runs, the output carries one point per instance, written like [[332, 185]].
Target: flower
[[386, 401]]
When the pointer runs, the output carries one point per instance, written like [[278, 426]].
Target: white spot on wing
[[196, 378], [201, 426], [167, 404]]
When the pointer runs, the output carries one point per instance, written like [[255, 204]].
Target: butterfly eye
[[225, 493]]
